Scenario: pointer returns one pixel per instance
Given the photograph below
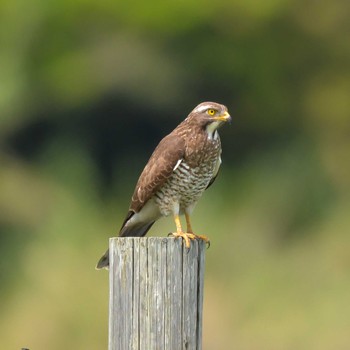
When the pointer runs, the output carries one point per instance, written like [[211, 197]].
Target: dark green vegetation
[[88, 88]]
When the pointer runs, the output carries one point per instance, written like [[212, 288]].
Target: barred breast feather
[[191, 176]]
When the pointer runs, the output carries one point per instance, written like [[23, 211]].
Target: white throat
[[212, 130]]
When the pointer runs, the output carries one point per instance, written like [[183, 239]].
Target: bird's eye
[[211, 111]]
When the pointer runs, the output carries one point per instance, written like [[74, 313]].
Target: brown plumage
[[182, 166]]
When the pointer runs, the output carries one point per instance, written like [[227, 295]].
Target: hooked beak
[[223, 117]]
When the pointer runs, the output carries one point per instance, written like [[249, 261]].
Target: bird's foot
[[203, 238], [187, 236]]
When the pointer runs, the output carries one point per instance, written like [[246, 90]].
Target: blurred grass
[[88, 89]]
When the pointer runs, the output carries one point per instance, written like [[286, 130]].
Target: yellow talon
[[189, 229], [187, 236]]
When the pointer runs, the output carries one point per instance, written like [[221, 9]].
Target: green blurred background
[[88, 88]]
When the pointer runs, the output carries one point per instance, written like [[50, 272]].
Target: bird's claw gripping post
[[187, 236]]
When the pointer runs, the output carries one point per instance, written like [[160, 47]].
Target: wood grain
[[156, 294]]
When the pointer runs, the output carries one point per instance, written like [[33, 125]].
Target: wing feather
[[158, 169], [216, 172]]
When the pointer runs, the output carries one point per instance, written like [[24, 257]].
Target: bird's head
[[210, 116]]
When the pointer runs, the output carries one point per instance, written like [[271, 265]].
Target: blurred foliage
[[88, 88]]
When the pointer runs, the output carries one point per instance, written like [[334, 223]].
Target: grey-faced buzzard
[[183, 165]]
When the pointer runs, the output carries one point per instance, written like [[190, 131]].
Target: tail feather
[[126, 231], [103, 263], [138, 230]]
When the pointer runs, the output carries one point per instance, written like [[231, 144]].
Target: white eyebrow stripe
[[202, 108]]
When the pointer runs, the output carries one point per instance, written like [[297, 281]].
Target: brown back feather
[[158, 169]]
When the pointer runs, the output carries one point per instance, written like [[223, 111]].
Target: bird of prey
[[183, 165]]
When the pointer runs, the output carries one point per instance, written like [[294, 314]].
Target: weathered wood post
[[156, 294]]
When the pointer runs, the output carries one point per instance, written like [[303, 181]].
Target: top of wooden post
[[156, 293]]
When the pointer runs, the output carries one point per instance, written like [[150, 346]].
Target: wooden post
[[156, 294]]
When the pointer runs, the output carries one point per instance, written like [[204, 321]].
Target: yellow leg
[[188, 222], [178, 223], [179, 233], [189, 229]]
